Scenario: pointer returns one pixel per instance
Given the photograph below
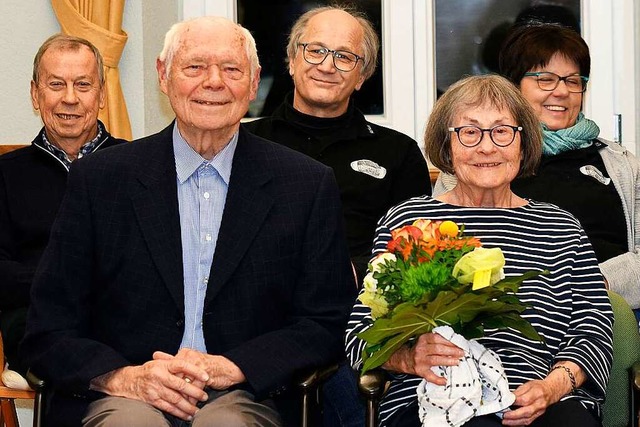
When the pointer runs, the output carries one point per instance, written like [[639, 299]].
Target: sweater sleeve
[[589, 338], [411, 177], [623, 276], [623, 271], [360, 319], [444, 183], [15, 277]]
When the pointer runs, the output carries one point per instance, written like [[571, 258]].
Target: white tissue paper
[[477, 386]]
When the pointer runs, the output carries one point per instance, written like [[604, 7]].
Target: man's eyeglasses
[[550, 81], [501, 135], [343, 60]]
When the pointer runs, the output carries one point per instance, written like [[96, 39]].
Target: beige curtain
[[100, 22]]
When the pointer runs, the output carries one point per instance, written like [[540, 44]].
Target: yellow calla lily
[[482, 267]]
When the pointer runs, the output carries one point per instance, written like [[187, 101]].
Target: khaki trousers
[[223, 409]]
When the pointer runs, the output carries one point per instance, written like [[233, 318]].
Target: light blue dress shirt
[[202, 192]]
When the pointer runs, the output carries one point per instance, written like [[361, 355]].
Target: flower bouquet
[[433, 275]]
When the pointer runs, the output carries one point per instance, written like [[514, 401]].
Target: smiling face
[[322, 90], [559, 108], [485, 166], [68, 96], [209, 84]]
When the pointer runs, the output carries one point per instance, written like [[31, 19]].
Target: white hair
[[173, 36]]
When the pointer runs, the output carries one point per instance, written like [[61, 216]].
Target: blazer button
[[180, 323]]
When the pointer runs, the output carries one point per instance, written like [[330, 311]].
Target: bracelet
[[572, 377]]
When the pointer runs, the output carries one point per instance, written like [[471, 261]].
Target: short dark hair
[[476, 91], [530, 46], [64, 41]]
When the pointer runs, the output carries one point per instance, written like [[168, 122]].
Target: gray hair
[[370, 40], [476, 91], [66, 42]]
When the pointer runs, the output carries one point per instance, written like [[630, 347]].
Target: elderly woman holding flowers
[[542, 337]]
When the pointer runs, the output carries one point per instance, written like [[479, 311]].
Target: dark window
[[469, 33]]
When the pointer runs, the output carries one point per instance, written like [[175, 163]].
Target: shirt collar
[[188, 160], [87, 148]]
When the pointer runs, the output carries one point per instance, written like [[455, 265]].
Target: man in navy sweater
[[68, 91], [332, 51]]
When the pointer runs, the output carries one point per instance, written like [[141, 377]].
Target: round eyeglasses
[[549, 81], [343, 60], [501, 135]]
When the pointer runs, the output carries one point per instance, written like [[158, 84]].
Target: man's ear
[[291, 68], [162, 75], [34, 96], [255, 82], [360, 82], [103, 96]]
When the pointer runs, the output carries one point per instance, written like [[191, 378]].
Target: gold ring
[[187, 380]]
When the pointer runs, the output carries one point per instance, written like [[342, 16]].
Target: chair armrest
[[38, 385], [34, 381], [308, 380], [372, 386]]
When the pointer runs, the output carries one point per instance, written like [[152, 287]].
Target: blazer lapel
[[155, 203], [248, 203]]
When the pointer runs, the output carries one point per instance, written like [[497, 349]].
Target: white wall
[[20, 38], [33, 21]]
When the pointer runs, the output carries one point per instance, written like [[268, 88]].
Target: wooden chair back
[[8, 413], [8, 148]]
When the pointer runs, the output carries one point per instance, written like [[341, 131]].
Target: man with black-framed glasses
[[331, 52]]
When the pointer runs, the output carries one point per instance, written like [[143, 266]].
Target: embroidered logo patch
[[595, 173], [370, 168]]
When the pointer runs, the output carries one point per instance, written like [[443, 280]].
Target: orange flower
[[430, 229], [403, 240], [406, 232], [429, 246], [400, 245]]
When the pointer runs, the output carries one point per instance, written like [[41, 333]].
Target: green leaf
[[507, 320], [512, 284], [390, 346], [448, 308], [468, 312]]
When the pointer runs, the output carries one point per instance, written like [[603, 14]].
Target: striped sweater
[[569, 307]]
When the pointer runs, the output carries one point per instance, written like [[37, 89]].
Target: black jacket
[[376, 167], [32, 184], [109, 290]]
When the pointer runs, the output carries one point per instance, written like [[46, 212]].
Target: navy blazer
[[109, 289]]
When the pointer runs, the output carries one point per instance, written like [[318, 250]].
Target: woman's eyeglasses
[[549, 81], [501, 135]]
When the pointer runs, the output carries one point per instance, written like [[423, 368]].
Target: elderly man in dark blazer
[[191, 273]]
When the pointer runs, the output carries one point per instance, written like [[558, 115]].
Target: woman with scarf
[[594, 179]]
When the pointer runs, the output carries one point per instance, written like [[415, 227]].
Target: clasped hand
[[173, 384]]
